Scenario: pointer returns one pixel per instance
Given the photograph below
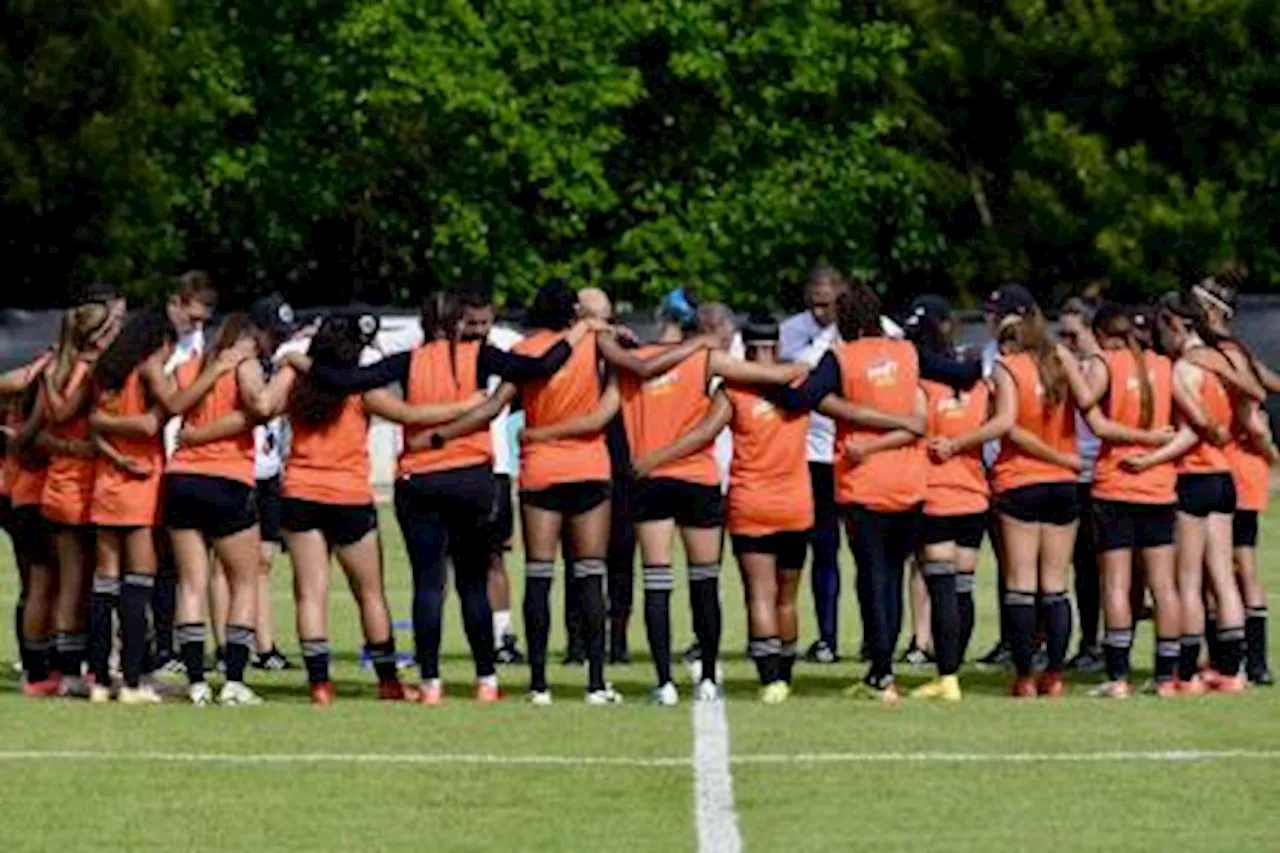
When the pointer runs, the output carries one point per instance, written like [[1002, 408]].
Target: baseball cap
[[761, 328], [273, 314], [1010, 299], [930, 306]]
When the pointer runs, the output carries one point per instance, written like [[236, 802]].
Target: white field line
[[681, 762], [714, 810]]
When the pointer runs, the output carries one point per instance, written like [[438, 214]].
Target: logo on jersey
[[883, 373], [763, 409], [662, 384], [954, 405]]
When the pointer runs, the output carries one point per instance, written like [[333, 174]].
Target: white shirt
[[723, 449], [801, 339], [268, 448], [990, 352], [503, 338], [188, 347]]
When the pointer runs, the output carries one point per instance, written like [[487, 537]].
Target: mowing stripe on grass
[[343, 758], [713, 781], [1126, 756]]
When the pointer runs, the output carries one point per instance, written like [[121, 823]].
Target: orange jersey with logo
[[119, 498], [1204, 458], [769, 487], [660, 410], [1123, 405], [884, 374], [443, 373], [1054, 425], [329, 463], [68, 481], [959, 485], [229, 458], [571, 392]]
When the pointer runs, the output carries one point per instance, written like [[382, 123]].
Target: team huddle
[[126, 449]]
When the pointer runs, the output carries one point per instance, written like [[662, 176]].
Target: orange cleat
[[1193, 686], [1023, 688], [394, 691], [1165, 689], [42, 689], [432, 694], [1229, 684], [487, 693], [1051, 685], [322, 694]]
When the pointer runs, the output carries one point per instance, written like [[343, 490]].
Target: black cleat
[[574, 657], [821, 652], [693, 654], [999, 655], [1088, 660], [915, 656], [619, 654], [507, 653], [1261, 677], [272, 661]]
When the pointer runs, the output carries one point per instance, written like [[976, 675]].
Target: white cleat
[[707, 691], [666, 696], [607, 696], [540, 698], [695, 671], [200, 694], [238, 693], [143, 694], [99, 695]]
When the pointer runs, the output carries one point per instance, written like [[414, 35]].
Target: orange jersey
[[1123, 405], [329, 463], [1251, 474], [884, 374], [769, 487], [959, 485], [658, 411], [571, 392], [119, 498], [443, 373], [68, 481], [1054, 425], [1204, 458], [229, 458]]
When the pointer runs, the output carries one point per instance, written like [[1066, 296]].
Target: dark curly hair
[[143, 333], [338, 343], [858, 312], [554, 307]]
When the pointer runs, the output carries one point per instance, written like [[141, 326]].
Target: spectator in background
[[806, 337], [1077, 333]]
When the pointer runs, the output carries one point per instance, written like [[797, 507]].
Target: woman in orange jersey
[[68, 484], [209, 500], [1037, 504], [126, 425], [957, 495], [1251, 452], [444, 488], [1133, 503]]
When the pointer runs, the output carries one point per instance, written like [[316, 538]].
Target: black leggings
[[444, 516], [1085, 560], [881, 542]]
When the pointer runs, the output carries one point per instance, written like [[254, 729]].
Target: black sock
[[1116, 645], [163, 604], [1230, 650], [1020, 606], [767, 654], [964, 597], [135, 599], [944, 615], [1168, 650], [1255, 639], [1189, 656], [658, 582], [239, 647], [1057, 620], [19, 609], [704, 595], [590, 576], [315, 657], [190, 638], [383, 657], [1211, 640], [537, 619], [103, 602], [787, 659]]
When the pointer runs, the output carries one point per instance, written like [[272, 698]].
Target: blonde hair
[[78, 326], [1029, 334]]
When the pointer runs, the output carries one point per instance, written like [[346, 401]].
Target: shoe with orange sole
[[395, 691], [1193, 686], [1051, 685], [322, 694], [1023, 688], [42, 689], [487, 693], [432, 694]]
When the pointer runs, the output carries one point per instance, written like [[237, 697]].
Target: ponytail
[[1111, 321]]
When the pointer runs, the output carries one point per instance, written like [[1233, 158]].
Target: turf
[[842, 797]]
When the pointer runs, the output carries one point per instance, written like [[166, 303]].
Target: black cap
[[930, 306], [363, 320], [1010, 299], [761, 328], [273, 314]]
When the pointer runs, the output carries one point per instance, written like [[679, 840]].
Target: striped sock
[[767, 653], [1116, 644], [704, 595], [315, 657], [537, 619], [103, 601], [190, 639], [135, 602], [239, 647], [1255, 640], [659, 580]]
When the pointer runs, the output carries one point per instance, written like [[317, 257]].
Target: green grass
[[51, 803]]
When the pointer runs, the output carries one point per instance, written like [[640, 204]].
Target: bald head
[[594, 304], [714, 318]]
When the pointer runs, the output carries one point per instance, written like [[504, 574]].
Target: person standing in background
[[806, 337], [269, 441], [1077, 333]]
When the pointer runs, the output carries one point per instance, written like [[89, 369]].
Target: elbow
[[1003, 426]]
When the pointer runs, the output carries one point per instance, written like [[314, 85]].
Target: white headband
[[1203, 294]]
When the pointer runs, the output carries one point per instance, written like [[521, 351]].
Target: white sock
[[501, 626]]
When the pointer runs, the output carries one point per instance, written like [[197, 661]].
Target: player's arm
[[857, 451], [473, 420], [132, 467], [1182, 442], [838, 408], [384, 404], [20, 378], [703, 433], [742, 372], [64, 404], [1004, 413], [1232, 367], [1087, 378], [1031, 444], [229, 425], [588, 424], [620, 358]]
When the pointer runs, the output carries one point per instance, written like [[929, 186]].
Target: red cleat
[[1193, 686], [322, 694], [1229, 684], [1023, 688], [1165, 689], [42, 689], [487, 694], [432, 694], [394, 691], [1051, 685]]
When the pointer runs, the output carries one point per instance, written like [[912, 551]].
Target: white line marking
[[713, 781], [570, 761]]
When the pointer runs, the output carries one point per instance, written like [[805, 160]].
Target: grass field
[[818, 773]]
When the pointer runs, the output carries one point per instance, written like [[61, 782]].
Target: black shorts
[[1041, 503], [268, 495], [964, 530], [789, 547], [690, 504], [216, 506], [502, 524], [341, 524], [1123, 526], [6, 512], [1244, 529], [1201, 495], [30, 534], [568, 498]]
